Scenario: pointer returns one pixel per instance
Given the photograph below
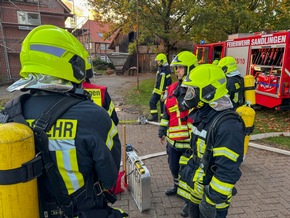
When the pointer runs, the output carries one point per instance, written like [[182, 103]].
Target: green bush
[[102, 65]]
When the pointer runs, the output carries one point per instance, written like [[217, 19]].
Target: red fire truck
[[265, 56]]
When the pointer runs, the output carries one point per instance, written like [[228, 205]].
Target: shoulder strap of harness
[[41, 126], [13, 113], [210, 136]]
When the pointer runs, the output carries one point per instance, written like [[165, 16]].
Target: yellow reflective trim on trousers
[[153, 111], [221, 187], [68, 167], [112, 132], [173, 108], [164, 122], [162, 83], [224, 151]]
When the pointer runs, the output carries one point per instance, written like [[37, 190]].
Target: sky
[[78, 7]]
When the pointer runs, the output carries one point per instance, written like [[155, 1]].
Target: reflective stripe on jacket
[[163, 79], [101, 97], [224, 163], [80, 146], [178, 128], [175, 121]]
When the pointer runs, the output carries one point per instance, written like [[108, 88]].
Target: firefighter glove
[[206, 210]]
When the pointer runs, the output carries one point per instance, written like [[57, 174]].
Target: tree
[[220, 18], [172, 21], [168, 20]]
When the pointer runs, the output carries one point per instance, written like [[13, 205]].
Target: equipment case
[[138, 181]]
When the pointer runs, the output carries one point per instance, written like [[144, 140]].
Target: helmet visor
[[190, 94]]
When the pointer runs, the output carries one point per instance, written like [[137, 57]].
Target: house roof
[[67, 10], [98, 30]]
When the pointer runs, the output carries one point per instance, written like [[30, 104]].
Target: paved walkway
[[263, 190]]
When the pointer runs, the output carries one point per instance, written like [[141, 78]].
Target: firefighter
[[99, 94], [174, 125], [163, 80], [86, 152], [210, 175], [235, 82]]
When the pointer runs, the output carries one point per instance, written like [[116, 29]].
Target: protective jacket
[[224, 161], [101, 97], [175, 123], [163, 79], [235, 86], [84, 149]]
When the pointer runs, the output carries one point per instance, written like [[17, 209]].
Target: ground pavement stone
[[263, 190]]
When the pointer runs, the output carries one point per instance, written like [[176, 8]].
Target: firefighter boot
[[172, 190], [185, 210], [154, 118]]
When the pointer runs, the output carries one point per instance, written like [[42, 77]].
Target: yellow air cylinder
[[248, 115], [249, 86], [16, 148]]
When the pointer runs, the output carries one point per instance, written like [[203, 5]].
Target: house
[[146, 54], [147, 51], [92, 35], [17, 18]]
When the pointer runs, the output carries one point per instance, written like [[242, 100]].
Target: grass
[[266, 120]]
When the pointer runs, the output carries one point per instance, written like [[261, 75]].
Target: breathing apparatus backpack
[[244, 114], [42, 166], [246, 91], [42, 163]]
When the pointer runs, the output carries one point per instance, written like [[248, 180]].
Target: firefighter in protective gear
[[163, 80], [82, 148], [210, 189], [99, 94], [235, 82], [174, 125]]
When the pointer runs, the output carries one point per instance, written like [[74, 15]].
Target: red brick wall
[[13, 36]]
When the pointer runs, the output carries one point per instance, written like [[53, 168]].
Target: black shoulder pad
[[13, 109]]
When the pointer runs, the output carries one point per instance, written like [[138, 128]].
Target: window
[[28, 18], [100, 35], [107, 46], [103, 58], [103, 46]]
